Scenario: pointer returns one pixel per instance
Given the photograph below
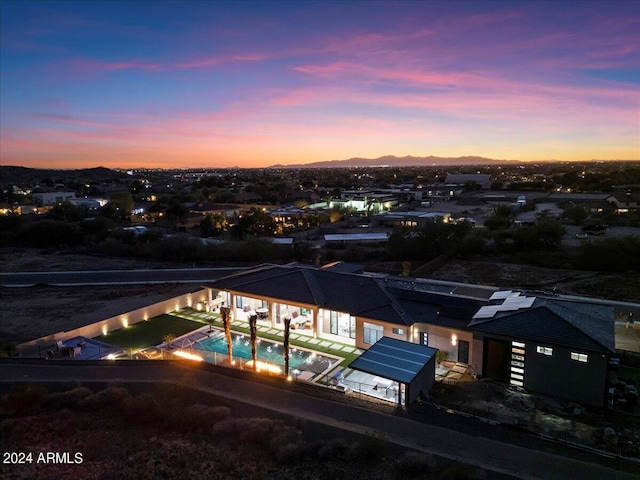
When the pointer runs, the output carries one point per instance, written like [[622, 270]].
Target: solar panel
[[500, 295], [487, 312]]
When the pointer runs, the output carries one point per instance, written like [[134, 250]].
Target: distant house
[[53, 197], [548, 345], [409, 219]]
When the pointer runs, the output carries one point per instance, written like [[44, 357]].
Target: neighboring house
[[53, 198], [409, 219], [625, 199], [556, 347]]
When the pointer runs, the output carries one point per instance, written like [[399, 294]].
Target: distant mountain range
[[393, 161]]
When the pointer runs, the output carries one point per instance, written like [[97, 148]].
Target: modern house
[[547, 345]]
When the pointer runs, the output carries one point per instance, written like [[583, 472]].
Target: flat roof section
[[394, 359]]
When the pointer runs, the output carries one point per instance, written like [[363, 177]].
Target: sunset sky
[[198, 84]]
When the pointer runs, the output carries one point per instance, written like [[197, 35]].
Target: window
[[579, 357], [372, 333], [516, 376], [333, 320], [545, 350], [240, 301], [424, 338], [398, 331], [352, 327]]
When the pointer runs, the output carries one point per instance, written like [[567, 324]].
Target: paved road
[[470, 449], [115, 277]]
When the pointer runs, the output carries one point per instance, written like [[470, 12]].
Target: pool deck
[[337, 376]]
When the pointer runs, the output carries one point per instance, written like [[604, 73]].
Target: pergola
[[407, 363]]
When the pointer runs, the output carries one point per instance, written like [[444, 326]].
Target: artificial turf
[[151, 332]]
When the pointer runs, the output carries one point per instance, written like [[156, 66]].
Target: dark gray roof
[[344, 267], [437, 308], [356, 294], [276, 282], [414, 284], [394, 359], [577, 325], [557, 322]]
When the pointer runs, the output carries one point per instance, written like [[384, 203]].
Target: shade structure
[[394, 359]]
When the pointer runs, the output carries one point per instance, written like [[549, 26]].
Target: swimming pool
[[271, 352]]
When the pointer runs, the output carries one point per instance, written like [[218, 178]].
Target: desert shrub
[[143, 409], [289, 454], [24, 399], [266, 432], [67, 399], [370, 446], [109, 397], [334, 449], [412, 463], [205, 416]]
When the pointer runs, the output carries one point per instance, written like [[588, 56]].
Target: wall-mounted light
[[454, 339]]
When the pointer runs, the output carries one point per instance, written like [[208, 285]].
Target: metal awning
[[394, 359]]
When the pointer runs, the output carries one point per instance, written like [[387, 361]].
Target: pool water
[[267, 351]]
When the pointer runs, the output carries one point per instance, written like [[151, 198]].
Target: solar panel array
[[511, 301]]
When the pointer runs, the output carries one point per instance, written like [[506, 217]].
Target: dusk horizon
[[260, 84]]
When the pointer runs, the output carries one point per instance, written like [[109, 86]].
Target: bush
[[412, 463], [25, 399], [67, 399], [369, 447], [289, 454], [334, 449], [203, 416], [111, 397], [143, 409]]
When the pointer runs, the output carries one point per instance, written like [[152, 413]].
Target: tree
[[213, 225], [168, 338], [124, 203], [285, 353], [550, 232], [501, 218], [254, 222], [225, 314], [68, 212], [253, 318], [176, 213], [575, 214]]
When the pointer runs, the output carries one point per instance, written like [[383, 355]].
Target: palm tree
[[287, 325], [226, 322], [254, 337]]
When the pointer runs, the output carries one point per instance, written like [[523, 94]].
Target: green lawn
[[147, 333]]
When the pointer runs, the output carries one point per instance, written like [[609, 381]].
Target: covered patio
[[403, 369]]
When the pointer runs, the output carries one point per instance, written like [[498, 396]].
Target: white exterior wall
[[116, 322], [443, 339]]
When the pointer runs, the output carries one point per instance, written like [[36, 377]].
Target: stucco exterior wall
[[442, 339], [559, 375], [387, 331]]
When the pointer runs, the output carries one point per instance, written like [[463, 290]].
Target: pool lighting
[[268, 367], [111, 356], [188, 356]]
